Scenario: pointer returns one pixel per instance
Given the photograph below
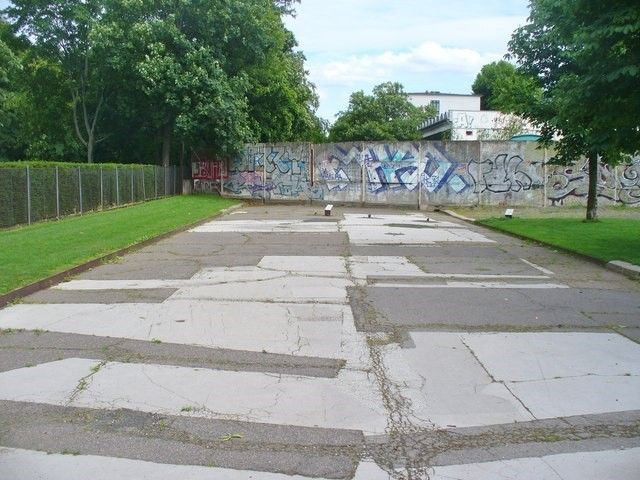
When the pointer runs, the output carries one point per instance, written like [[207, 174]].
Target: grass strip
[[607, 239], [31, 253]]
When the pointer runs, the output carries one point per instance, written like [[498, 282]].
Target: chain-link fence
[[32, 193]]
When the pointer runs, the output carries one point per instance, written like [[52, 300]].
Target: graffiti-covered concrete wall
[[421, 174]]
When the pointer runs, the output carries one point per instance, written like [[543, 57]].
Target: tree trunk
[[179, 184], [90, 144], [166, 144], [592, 198]]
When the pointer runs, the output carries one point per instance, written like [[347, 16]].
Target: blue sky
[[423, 44]]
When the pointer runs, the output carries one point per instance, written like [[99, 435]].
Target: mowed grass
[[31, 253], [606, 239]]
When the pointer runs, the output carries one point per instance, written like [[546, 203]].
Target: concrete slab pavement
[[347, 347]]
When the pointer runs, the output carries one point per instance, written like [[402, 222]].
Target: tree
[[9, 65], [587, 61], [504, 88], [212, 73], [384, 115], [60, 32], [282, 102]]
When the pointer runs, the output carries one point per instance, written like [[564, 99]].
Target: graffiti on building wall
[[339, 168], [391, 167], [566, 182], [442, 169], [287, 170], [245, 172], [629, 183], [504, 173]]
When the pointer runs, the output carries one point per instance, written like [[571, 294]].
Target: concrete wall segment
[[422, 174]]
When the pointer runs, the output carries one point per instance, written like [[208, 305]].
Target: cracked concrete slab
[[460, 380], [385, 229], [447, 386], [33, 465], [347, 402], [613, 464], [314, 330], [265, 226], [521, 357], [236, 293]]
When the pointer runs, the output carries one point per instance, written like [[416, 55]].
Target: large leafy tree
[[212, 73], [504, 88], [587, 61], [9, 67], [60, 31], [282, 102], [387, 114]]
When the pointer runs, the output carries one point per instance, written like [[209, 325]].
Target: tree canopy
[[586, 59], [505, 88], [386, 114], [129, 79]]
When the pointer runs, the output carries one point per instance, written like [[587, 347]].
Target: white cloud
[[429, 57], [423, 44]]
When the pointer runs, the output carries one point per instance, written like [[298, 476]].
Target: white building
[[443, 102], [476, 125]]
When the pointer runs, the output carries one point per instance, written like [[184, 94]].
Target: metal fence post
[[101, 191], [155, 181], [133, 199], [28, 196], [117, 188], [57, 194], [144, 193], [80, 188]]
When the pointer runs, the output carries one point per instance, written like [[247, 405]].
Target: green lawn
[[607, 239], [34, 252]]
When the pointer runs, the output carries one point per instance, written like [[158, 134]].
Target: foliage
[[136, 77], [50, 164], [60, 32], [504, 88], [9, 72], [587, 61], [281, 100], [384, 115], [608, 239], [76, 240]]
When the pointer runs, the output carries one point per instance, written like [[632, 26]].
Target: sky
[[424, 44]]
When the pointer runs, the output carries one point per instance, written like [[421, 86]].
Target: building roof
[[445, 94]]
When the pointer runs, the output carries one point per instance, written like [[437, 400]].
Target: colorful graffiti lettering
[[391, 167], [441, 169], [340, 168], [438, 172]]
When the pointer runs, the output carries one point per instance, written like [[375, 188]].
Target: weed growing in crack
[[70, 452], [231, 436]]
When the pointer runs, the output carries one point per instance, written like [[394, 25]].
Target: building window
[[435, 104]]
